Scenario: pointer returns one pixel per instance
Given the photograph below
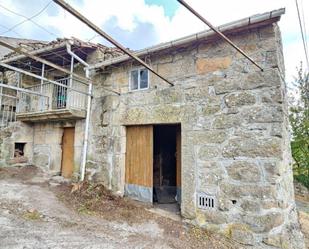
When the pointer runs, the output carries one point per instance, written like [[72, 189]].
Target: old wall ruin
[[47, 144], [234, 124], [235, 141], [16, 132], [43, 140], [43, 144]]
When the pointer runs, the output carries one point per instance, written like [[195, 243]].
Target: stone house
[[48, 115], [216, 142]]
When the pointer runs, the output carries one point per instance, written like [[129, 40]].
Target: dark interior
[[164, 165], [19, 149]]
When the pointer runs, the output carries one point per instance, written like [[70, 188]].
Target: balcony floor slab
[[51, 115]]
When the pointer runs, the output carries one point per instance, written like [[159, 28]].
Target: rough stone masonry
[[234, 125], [234, 132]]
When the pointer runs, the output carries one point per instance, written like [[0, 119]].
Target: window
[[139, 79]]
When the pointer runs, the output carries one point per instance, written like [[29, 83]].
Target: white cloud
[[294, 53], [130, 14]]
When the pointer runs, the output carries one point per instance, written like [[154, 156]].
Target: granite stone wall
[[16, 132], [234, 127], [43, 144], [234, 134], [47, 145]]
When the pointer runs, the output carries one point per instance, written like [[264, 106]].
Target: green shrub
[[299, 121]]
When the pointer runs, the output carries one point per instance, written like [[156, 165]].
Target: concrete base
[[139, 193]]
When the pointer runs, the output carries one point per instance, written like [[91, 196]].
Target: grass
[[83, 209], [303, 179], [32, 215], [199, 233]]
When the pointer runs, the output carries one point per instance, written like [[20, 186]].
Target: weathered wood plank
[[67, 164], [139, 155]]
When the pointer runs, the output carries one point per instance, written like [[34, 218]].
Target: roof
[[56, 52], [15, 42], [233, 27]]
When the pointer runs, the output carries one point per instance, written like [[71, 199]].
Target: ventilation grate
[[205, 201]]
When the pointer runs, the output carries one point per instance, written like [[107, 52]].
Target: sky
[[138, 24]]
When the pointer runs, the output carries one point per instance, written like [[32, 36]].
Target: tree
[[299, 120]]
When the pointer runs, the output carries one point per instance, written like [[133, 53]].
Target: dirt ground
[[303, 208], [304, 221], [38, 212]]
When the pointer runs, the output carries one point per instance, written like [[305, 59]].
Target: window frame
[[138, 79]]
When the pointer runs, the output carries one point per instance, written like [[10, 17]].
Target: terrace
[[53, 102], [32, 91]]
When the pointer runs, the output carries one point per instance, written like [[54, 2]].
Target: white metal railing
[[70, 98], [60, 96], [55, 97], [7, 110], [32, 103], [77, 96]]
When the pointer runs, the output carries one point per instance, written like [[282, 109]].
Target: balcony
[[7, 109], [52, 102]]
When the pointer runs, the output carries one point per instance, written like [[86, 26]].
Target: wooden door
[[139, 162], [67, 164]]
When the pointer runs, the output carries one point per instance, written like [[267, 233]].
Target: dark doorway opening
[[19, 149], [165, 164]]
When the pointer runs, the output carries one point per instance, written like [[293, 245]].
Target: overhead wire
[[11, 30], [302, 33], [27, 18], [95, 28], [31, 66], [93, 37], [59, 55], [304, 23], [40, 26], [50, 53]]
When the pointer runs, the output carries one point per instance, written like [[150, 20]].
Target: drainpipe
[[70, 52], [85, 146], [86, 131]]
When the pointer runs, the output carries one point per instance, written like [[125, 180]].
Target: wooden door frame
[[131, 188], [139, 184], [68, 172]]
